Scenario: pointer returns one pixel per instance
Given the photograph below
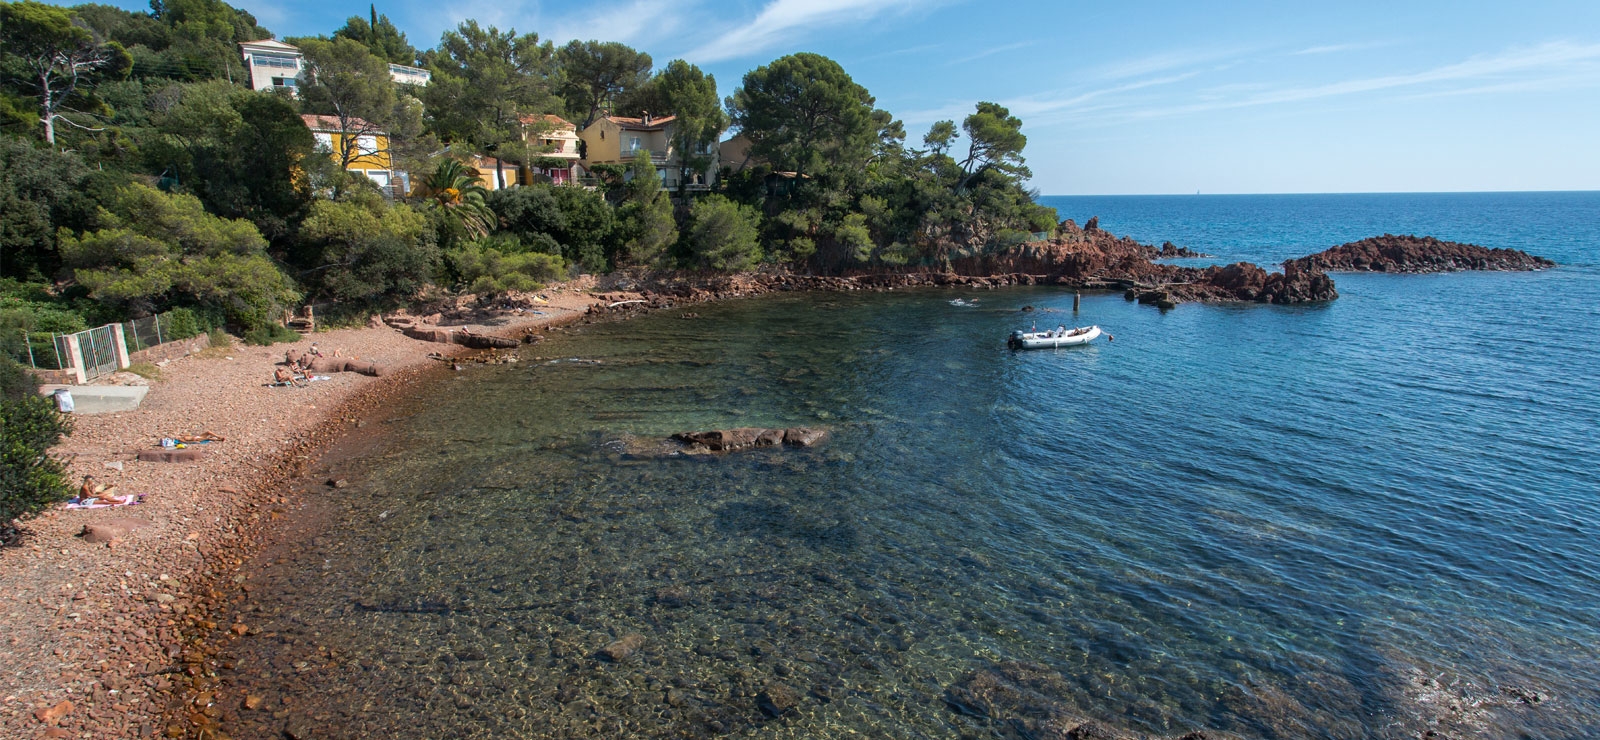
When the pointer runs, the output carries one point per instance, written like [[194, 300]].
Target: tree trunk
[[47, 113]]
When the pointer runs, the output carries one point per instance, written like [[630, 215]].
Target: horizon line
[[1331, 192]]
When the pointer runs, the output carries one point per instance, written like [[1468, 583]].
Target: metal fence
[[99, 346], [49, 351], [40, 349]]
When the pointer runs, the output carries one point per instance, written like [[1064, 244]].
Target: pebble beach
[[91, 647]]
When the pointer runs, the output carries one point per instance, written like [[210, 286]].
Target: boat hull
[[1048, 340]]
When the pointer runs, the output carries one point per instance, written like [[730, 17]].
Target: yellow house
[[617, 140], [364, 144], [556, 141], [491, 172]]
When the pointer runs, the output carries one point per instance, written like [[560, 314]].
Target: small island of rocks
[[1417, 254]]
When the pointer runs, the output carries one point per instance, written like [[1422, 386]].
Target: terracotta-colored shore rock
[[1086, 257], [1417, 254]]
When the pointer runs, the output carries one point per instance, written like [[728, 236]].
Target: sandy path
[[98, 624]]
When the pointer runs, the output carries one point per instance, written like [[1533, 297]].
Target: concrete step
[[101, 399]]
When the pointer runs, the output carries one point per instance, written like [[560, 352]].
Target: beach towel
[[128, 500]]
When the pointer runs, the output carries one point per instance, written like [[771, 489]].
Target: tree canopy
[[46, 54], [596, 75], [380, 36], [802, 112], [344, 80], [484, 81]]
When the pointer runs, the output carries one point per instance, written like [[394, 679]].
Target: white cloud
[[1331, 49], [787, 21], [991, 52], [635, 23], [1165, 61], [1549, 61]]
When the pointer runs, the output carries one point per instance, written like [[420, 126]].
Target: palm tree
[[454, 187]]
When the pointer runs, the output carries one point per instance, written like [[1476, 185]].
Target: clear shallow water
[[1270, 520]]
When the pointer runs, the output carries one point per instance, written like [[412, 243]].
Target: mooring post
[[1076, 299]]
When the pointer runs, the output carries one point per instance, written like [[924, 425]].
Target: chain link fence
[[48, 350]]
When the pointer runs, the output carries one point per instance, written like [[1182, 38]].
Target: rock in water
[[620, 650], [804, 437], [1417, 254], [777, 700]]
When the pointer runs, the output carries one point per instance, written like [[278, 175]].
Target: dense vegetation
[[139, 174], [30, 480]]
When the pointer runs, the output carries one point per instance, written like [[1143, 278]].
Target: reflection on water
[[1236, 518]]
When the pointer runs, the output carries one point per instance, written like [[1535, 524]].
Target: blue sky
[[1151, 97]]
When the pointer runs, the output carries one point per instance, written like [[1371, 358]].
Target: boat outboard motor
[[1015, 340]]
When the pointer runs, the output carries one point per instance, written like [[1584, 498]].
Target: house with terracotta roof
[[493, 171], [356, 145], [618, 139], [555, 141]]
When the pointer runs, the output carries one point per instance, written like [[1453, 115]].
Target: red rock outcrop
[[1418, 254]]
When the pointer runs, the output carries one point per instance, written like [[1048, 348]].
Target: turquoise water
[[1315, 521]]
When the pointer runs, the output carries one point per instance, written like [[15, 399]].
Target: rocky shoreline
[[1417, 254], [1085, 258]]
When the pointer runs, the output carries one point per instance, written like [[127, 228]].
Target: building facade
[[273, 65], [556, 143], [369, 148], [618, 140], [276, 65]]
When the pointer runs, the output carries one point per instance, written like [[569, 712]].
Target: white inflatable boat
[[1060, 337]]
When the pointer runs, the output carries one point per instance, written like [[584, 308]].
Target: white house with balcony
[[617, 140], [273, 64], [403, 75]]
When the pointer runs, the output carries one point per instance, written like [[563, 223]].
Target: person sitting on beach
[[286, 375], [89, 493]]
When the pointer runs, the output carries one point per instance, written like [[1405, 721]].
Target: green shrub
[[266, 334], [220, 338], [180, 323], [485, 270], [725, 234], [30, 479]]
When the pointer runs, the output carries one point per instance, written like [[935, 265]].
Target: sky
[[1134, 97]]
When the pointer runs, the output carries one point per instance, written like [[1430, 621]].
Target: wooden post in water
[[1076, 299]]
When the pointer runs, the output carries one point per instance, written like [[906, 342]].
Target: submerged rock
[[1028, 700], [741, 438], [777, 700], [623, 648]]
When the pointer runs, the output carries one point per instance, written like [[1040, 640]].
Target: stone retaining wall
[[171, 350]]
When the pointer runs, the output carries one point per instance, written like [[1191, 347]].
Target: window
[[283, 82], [366, 145], [275, 62], [633, 144], [324, 141]]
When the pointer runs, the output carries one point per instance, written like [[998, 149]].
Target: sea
[[1375, 517]]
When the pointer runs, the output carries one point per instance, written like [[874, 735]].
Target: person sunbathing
[[89, 493], [285, 375], [205, 436]]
